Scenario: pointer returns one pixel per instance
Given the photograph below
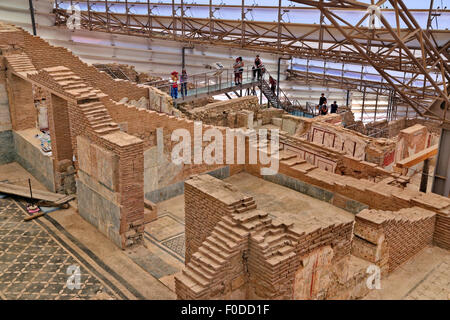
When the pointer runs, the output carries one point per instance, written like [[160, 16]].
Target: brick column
[[59, 125], [21, 102], [130, 152]]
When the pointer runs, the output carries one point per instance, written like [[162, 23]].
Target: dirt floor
[[35, 255]]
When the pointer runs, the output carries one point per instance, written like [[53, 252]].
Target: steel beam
[[441, 180]]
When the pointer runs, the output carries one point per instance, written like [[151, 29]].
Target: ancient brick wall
[[390, 238], [381, 195], [246, 255], [224, 113], [333, 160], [266, 115], [21, 103], [44, 55], [411, 141], [59, 125], [160, 172], [206, 201], [442, 230]]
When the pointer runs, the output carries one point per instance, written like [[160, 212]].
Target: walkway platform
[[215, 89]]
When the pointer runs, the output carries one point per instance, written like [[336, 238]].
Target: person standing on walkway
[[334, 107], [322, 99], [184, 81], [174, 85], [257, 67], [241, 69], [236, 67]]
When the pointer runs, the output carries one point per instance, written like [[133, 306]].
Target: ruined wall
[[160, 101], [265, 116], [333, 160], [29, 156], [20, 95], [44, 55], [163, 178], [389, 238], [226, 113], [246, 255], [353, 194], [110, 185], [97, 188], [206, 201], [411, 141], [301, 126], [327, 131], [6, 136]]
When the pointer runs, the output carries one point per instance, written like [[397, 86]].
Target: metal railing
[[222, 80], [208, 82], [115, 73]]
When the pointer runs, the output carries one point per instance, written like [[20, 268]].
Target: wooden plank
[[37, 194], [418, 157]]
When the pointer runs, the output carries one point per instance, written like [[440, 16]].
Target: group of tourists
[[183, 79], [258, 71], [323, 108]]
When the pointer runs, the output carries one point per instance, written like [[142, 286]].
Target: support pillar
[[424, 179], [441, 180], [21, 102], [62, 153]]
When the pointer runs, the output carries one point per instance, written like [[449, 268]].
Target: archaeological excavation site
[[253, 150]]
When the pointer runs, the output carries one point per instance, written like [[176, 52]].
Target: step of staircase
[[197, 278], [211, 255]]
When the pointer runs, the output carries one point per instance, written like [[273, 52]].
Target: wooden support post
[[424, 179]]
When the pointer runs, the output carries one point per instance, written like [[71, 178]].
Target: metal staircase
[[115, 73], [282, 101]]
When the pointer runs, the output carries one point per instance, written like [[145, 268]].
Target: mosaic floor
[[436, 284], [168, 232], [34, 266]]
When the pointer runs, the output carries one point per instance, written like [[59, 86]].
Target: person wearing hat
[[174, 86]]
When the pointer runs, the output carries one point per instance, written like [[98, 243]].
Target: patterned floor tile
[[33, 265]]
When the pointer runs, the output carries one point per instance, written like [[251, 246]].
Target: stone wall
[[5, 118], [163, 178], [29, 156], [44, 55], [6, 136], [201, 194], [97, 188], [381, 195], [7, 153], [160, 101], [411, 141], [389, 238], [333, 160], [225, 113], [247, 255]]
